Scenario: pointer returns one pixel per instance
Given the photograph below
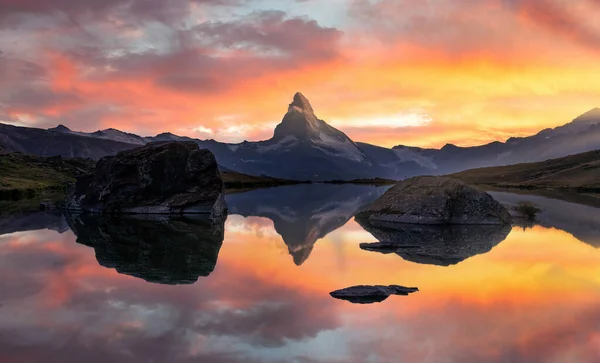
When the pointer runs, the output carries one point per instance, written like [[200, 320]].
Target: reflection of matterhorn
[[303, 214]]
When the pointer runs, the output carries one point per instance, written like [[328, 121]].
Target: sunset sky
[[388, 72]]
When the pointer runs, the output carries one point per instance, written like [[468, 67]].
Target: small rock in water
[[365, 294]]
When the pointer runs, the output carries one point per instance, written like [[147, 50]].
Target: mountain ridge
[[304, 147]]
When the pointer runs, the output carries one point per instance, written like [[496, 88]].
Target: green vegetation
[[26, 176], [579, 173]]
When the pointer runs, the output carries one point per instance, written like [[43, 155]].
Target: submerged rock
[[158, 178], [365, 294], [157, 249], [434, 244], [435, 200]]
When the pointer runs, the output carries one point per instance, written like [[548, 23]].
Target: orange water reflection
[[533, 298]]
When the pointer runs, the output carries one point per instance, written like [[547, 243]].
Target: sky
[[387, 72]]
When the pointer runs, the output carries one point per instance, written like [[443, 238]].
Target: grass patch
[[27, 176]]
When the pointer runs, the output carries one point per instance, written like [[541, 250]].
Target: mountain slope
[[304, 147], [58, 142], [580, 135], [580, 172], [27, 175]]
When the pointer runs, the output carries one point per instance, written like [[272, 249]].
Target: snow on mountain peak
[[302, 124]]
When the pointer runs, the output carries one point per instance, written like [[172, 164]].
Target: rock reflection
[[366, 294], [581, 221], [303, 214], [434, 245], [157, 249]]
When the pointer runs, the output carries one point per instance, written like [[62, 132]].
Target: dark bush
[[527, 210]]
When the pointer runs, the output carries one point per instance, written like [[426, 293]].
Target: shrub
[[527, 210]]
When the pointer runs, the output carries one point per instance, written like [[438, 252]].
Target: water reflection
[[32, 221], [303, 214], [434, 245], [580, 220], [154, 248], [532, 299]]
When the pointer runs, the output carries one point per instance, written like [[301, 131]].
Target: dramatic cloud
[[226, 69]]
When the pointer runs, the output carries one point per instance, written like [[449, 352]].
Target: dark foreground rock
[[364, 294], [158, 178], [433, 244], [435, 200], [157, 249]]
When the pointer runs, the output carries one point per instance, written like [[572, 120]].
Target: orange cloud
[[477, 71]]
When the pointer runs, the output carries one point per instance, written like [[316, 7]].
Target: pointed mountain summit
[[300, 124], [302, 103]]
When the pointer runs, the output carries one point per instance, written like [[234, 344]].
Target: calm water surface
[[263, 295]]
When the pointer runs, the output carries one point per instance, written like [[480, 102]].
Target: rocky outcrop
[[158, 178], [435, 244], [437, 201], [371, 294], [158, 249]]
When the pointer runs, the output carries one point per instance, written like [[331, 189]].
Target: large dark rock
[[157, 249], [371, 294], [435, 244], [435, 200], [158, 178]]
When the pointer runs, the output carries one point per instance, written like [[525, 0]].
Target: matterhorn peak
[[302, 103]]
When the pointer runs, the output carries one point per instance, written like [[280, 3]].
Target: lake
[[131, 290]]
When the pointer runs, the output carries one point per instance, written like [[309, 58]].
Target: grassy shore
[[26, 176], [578, 173]]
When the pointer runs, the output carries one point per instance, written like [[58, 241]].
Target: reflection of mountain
[[32, 221], [582, 221], [156, 249], [303, 214], [435, 245]]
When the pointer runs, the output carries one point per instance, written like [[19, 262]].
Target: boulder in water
[[158, 178], [435, 200]]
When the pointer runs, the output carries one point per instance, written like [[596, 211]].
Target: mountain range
[[304, 147]]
